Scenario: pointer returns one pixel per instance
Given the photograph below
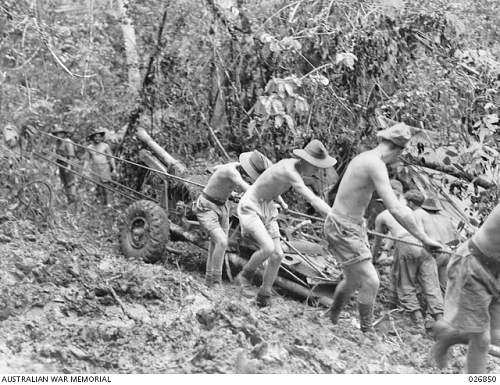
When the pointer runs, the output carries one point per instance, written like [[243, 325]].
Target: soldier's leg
[[477, 352], [107, 195], [343, 292], [495, 322], [270, 274], [266, 248], [219, 239], [406, 287], [446, 336], [209, 264], [429, 281], [369, 284]]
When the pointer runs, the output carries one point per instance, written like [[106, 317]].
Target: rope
[[128, 161], [84, 177], [371, 232], [307, 260], [203, 186], [95, 174]]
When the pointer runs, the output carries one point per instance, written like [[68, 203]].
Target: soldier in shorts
[[345, 226], [101, 162], [258, 213], [212, 209], [472, 301]]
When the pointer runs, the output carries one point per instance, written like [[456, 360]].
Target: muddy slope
[[71, 303]]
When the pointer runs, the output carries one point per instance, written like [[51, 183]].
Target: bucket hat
[[254, 163], [96, 131], [58, 129], [316, 154], [432, 204], [414, 196], [399, 134], [397, 186]]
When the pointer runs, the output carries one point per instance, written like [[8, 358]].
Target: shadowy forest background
[[267, 74]]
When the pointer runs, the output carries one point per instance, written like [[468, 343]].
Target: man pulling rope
[[345, 227]]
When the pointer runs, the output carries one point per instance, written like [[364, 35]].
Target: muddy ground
[[70, 302]]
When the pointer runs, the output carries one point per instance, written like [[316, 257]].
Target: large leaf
[[263, 106], [251, 127], [347, 59], [277, 106], [290, 43], [266, 38], [289, 121], [278, 121], [301, 105]]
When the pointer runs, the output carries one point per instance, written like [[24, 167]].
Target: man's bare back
[[486, 238], [437, 224], [357, 187], [385, 219], [276, 180], [223, 181]]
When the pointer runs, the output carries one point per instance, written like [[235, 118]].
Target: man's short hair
[[415, 196], [397, 186]]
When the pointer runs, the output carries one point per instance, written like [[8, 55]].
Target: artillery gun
[[307, 270]]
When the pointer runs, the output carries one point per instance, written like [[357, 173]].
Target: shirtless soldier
[[472, 301], [212, 209], [258, 213], [345, 227], [412, 265]]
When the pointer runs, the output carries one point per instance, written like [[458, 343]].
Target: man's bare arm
[[282, 202], [379, 227], [237, 179], [319, 204], [402, 213]]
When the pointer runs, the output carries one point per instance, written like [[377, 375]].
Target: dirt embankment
[[71, 303]]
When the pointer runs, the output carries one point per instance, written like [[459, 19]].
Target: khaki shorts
[[258, 218], [347, 238], [212, 216], [472, 298], [102, 171]]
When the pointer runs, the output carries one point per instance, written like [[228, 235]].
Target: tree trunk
[[128, 30], [450, 171]]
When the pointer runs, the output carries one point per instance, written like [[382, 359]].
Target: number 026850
[[482, 378]]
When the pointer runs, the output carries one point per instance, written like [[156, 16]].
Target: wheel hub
[[139, 232]]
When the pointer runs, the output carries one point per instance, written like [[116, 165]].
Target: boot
[[263, 299], [339, 301], [208, 279], [366, 317], [429, 323], [217, 281], [417, 318]]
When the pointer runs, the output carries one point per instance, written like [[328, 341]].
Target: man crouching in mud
[[345, 227], [472, 301], [257, 212]]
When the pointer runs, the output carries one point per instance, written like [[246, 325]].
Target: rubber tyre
[[154, 236]]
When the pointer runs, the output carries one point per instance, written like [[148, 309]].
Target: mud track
[[71, 303]]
